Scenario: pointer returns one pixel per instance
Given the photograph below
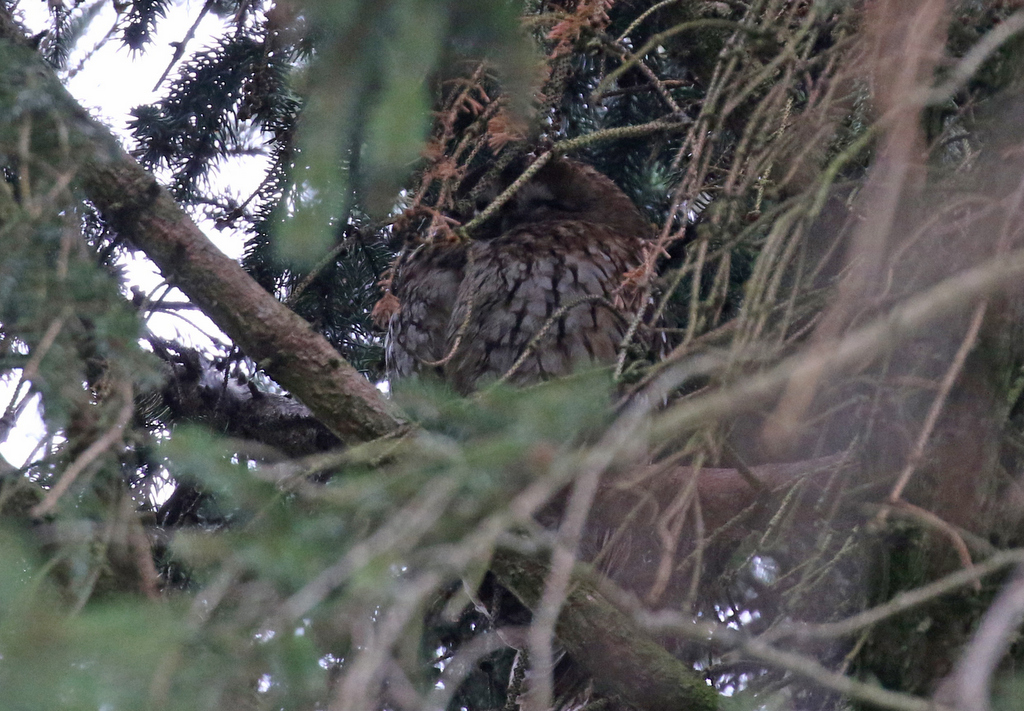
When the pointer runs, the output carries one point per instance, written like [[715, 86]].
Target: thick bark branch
[[283, 344], [197, 391], [623, 660], [133, 202]]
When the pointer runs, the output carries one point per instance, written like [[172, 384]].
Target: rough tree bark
[[134, 203]]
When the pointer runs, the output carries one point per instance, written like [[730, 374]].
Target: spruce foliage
[[804, 424]]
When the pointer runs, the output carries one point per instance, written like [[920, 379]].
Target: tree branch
[[621, 658], [131, 200], [195, 390]]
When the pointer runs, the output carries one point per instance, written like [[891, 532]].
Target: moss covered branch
[[623, 660]]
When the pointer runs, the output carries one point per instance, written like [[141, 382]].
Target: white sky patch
[[109, 80], [190, 327], [114, 80], [24, 438]]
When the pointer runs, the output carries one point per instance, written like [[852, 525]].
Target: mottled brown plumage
[[537, 292]]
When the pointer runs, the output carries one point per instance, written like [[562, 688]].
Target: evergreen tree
[[799, 486]]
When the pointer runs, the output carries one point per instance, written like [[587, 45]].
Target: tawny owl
[[532, 296]]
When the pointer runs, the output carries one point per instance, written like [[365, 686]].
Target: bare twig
[[459, 667], [508, 193], [180, 46], [568, 146], [857, 347], [551, 321], [899, 604], [463, 327], [952, 373], [931, 520], [91, 453], [798, 664], [973, 675], [403, 530], [17, 403], [546, 613], [324, 262], [971, 62]]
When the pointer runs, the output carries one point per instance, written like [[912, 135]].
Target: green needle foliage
[[818, 411]]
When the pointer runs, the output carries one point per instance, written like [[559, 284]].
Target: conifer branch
[[132, 201]]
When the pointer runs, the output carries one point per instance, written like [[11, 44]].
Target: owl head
[[564, 189]]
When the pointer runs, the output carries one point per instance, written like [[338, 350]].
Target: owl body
[[427, 286], [534, 300]]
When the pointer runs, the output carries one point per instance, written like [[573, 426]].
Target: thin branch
[[899, 604], [142, 547], [508, 193], [546, 613], [363, 673], [926, 517], [463, 327], [798, 664], [17, 403], [643, 16], [551, 321], [404, 529], [659, 38], [973, 676], [461, 666], [91, 453], [324, 262], [952, 373], [971, 62], [858, 347], [568, 146], [179, 47]]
